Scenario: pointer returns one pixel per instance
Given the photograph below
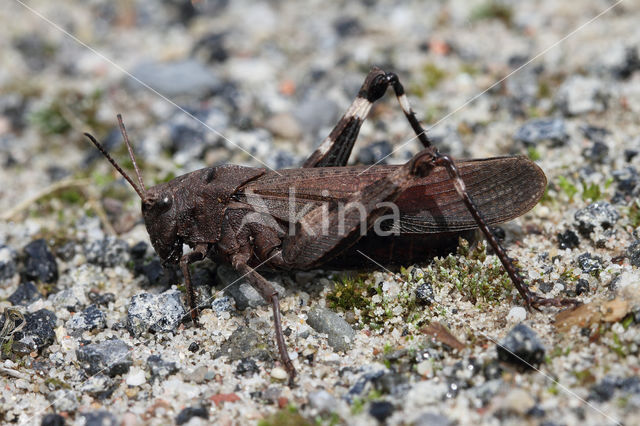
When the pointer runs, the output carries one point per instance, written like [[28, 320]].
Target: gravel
[[271, 79], [340, 334]]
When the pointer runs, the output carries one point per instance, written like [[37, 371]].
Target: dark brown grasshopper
[[327, 214]]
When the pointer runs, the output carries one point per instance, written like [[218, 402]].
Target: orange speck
[[287, 87]]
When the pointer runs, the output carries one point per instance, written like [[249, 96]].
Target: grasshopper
[[327, 214]]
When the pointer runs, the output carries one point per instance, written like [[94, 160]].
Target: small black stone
[[139, 250], [424, 294], [492, 370], [630, 154], [247, 367], [381, 410], [568, 239], [596, 152], [52, 419], [107, 252], [603, 391], [498, 232], [347, 26], [212, 47], [521, 347], [101, 299], [40, 264], [538, 130], [186, 414], [193, 347], [589, 264], [545, 287], [38, 332], [112, 357], [582, 286], [100, 418], [154, 272], [25, 294]]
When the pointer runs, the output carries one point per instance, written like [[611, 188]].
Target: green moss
[[634, 214], [53, 119], [567, 187], [591, 192], [49, 120], [533, 154], [287, 416], [493, 9], [357, 406], [432, 75], [478, 279], [56, 383], [350, 293]]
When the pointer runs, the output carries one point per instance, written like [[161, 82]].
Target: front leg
[[269, 293], [197, 254]]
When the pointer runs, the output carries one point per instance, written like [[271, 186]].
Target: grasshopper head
[[161, 219], [158, 206]]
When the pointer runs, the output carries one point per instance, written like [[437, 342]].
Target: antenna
[[114, 164], [133, 159]]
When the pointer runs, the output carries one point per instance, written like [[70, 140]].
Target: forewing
[[502, 187]]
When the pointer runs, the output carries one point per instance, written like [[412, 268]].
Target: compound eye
[[164, 202]]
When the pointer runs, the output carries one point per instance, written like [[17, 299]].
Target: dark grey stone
[[381, 410], [160, 368], [40, 264], [158, 313], [432, 419], [633, 252], [424, 294], [100, 418], [52, 419], [246, 343], [187, 78], [99, 386], [521, 347], [247, 367], [582, 287], [8, 262], [107, 252], [91, 318], [240, 290], [598, 214], [588, 263], [568, 239], [542, 129], [25, 294], [111, 357], [39, 330], [340, 333]]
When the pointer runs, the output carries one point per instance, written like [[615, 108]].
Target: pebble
[[8, 262], [101, 299], [425, 368], [100, 386], [521, 347], [112, 357], [588, 263], [598, 214], [596, 153], [628, 180], [99, 418], [197, 375], [160, 313], [245, 342], [340, 333], [91, 318], [179, 78], [278, 373], [285, 126], [107, 252], [52, 419], [579, 95], [39, 330], [542, 129], [582, 287], [240, 290], [40, 264], [517, 314], [381, 410], [63, 400], [135, 377], [517, 401], [568, 239], [376, 152], [25, 294], [322, 401], [159, 368], [189, 412], [633, 253], [68, 299], [247, 367], [222, 304], [424, 294]]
